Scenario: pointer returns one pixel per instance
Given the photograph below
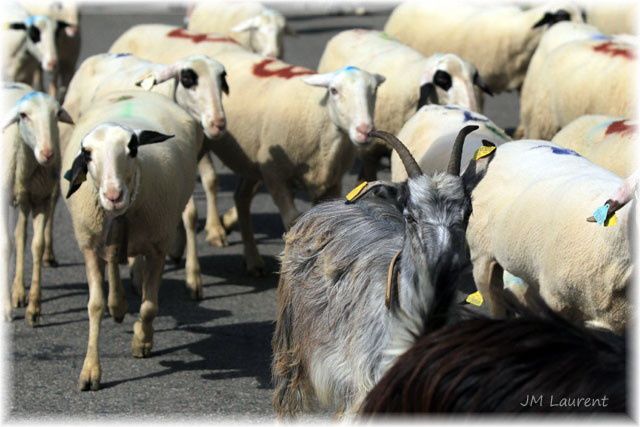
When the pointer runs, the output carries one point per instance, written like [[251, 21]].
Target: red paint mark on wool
[[260, 70], [198, 38], [620, 126], [613, 49]]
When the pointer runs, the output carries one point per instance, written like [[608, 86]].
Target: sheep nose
[[220, 123], [364, 128], [51, 64], [47, 153], [113, 194]]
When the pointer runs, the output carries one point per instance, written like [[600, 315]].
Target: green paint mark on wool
[[127, 109], [496, 131]]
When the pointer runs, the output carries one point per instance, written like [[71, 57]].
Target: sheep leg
[[116, 301], [282, 197], [136, 273], [91, 371], [192, 265], [243, 196], [143, 328], [216, 234], [49, 258], [18, 296], [487, 274], [230, 218], [32, 315]]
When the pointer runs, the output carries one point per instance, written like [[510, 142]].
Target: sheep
[[428, 136], [498, 40], [175, 44], [67, 41], [538, 362], [412, 81], [609, 142], [195, 83], [528, 218], [309, 146], [133, 199], [29, 45], [612, 17], [32, 158], [336, 332], [556, 91], [255, 26]]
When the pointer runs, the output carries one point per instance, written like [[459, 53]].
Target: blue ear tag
[[600, 214]]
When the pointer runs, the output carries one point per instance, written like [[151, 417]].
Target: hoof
[[32, 316], [50, 262], [140, 349], [217, 238], [175, 261], [195, 294], [18, 299], [257, 270], [118, 312], [89, 379]]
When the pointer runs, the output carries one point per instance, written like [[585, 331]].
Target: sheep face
[[36, 114], [199, 87], [108, 153], [265, 33], [351, 97], [448, 79], [41, 37]]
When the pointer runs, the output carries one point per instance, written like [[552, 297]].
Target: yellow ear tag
[[356, 191], [611, 221], [483, 151], [148, 82], [476, 297]]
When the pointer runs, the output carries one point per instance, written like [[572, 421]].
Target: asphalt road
[[210, 358]]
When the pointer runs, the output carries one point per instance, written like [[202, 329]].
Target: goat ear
[[246, 25], [380, 189], [64, 117], [16, 26], [477, 167], [78, 172]]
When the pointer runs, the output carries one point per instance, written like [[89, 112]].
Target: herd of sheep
[[366, 317]]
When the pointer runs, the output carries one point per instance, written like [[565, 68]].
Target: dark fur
[[492, 365]]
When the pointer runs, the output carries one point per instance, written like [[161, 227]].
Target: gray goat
[[336, 332]]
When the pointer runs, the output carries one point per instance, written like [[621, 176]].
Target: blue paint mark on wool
[[469, 116], [350, 68], [559, 150], [28, 96], [31, 20], [601, 37]]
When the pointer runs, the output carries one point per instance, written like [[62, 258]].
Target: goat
[[334, 337]]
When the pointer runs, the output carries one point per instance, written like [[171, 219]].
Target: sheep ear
[[477, 80], [147, 82], [16, 26], [320, 80], [78, 172], [246, 25], [428, 95], [64, 117], [550, 18], [379, 79], [11, 118], [477, 167], [224, 85], [145, 137]]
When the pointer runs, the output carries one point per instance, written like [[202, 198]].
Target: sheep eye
[[188, 78], [23, 116], [442, 79], [333, 91], [34, 34], [409, 218]]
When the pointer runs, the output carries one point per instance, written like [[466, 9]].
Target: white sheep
[[140, 191], [289, 135], [609, 142], [613, 17], [412, 81], [255, 26], [195, 83], [67, 41], [430, 133], [589, 74], [32, 157], [528, 217], [29, 45], [499, 40]]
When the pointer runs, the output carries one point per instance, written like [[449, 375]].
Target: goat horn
[[456, 151], [410, 164]]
